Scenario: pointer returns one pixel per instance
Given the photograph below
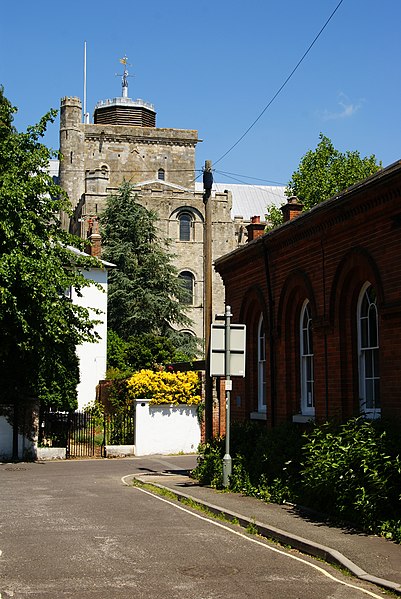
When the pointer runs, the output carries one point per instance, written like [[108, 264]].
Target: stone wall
[[98, 158]]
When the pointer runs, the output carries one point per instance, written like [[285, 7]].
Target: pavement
[[368, 557]]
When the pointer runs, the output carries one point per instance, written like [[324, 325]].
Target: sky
[[215, 67]]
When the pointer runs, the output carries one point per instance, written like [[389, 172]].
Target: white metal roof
[[250, 200]]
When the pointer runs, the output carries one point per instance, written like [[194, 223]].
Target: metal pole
[[84, 119], [207, 278], [227, 463]]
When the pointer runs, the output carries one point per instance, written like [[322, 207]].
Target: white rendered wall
[[92, 356], [26, 444], [165, 429]]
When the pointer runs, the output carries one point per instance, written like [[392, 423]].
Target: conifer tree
[[145, 296]]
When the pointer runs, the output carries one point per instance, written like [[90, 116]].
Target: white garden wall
[[165, 429], [27, 437]]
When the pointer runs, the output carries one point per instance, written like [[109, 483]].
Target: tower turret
[[124, 110], [72, 150]]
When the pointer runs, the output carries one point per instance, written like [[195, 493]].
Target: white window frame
[[262, 398], [368, 352], [307, 361]]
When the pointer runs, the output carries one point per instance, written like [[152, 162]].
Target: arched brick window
[[306, 353], [161, 174], [188, 282], [261, 365], [368, 352]]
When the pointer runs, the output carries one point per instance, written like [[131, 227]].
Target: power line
[[231, 175], [258, 187], [282, 86]]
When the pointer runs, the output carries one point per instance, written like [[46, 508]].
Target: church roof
[[250, 200]]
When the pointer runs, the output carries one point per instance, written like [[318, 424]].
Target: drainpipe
[[326, 364], [270, 302]]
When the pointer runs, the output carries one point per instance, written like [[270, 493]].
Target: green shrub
[[265, 462], [351, 472], [209, 470]]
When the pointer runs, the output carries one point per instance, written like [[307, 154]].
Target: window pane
[[306, 348], [187, 280], [309, 374], [364, 333], [365, 306], [185, 227], [310, 395], [305, 342], [369, 394], [375, 354], [377, 393], [261, 366], [373, 326], [310, 338], [368, 363]]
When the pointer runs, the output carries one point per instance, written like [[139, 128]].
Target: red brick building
[[321, 298]]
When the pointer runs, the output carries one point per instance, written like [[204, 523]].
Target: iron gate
[[84, 435]]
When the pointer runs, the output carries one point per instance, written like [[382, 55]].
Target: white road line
[[252, 540]]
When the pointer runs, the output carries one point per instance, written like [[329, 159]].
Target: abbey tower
[[123, 143]]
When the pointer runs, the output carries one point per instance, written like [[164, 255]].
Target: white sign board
[[237, 349]]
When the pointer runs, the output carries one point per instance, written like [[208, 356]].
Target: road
[[73, 529]]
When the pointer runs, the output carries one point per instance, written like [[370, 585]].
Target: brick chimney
[[255, 228], [95, 248], [291, 209]]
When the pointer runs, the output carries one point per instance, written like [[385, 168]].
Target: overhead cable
[[282, 86]]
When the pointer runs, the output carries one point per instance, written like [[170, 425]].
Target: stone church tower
[[123, 143]]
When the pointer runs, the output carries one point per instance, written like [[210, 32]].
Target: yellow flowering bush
[[165, 387]]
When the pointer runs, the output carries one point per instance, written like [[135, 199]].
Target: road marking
[[252, 540]]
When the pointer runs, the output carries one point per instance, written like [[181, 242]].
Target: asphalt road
[[74, 530]]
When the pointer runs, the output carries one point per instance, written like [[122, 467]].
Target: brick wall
[[324, 256]]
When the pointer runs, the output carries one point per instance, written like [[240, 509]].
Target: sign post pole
[[227, 463]]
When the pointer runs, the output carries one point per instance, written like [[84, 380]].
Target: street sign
[[236, 349]]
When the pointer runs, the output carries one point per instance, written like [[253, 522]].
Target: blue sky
[[214, 67]]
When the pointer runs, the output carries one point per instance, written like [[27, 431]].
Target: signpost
[[227, 358]]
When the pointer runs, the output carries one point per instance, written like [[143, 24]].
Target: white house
[[92, 356]]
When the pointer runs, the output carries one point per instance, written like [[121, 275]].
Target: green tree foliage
[[323, 173], [40, 327], [144, 351], [145, 296]]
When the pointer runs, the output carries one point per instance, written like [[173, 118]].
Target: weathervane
[[124, 76]]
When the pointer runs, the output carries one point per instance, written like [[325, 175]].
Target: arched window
[[188, 283], [368, 350], [185, 220], [306, 352], [161, 174], [261, 366]]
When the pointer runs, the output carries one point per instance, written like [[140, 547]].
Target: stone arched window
[[161, 174], [261, 365], [368, 352], [185, 220], [306, 366], [188, 283]]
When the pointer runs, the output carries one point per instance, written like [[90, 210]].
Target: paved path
[[369, 557], [74, 529]]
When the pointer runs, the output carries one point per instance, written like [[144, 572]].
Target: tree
[[40, 327], [324, 172], [145, 296]]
